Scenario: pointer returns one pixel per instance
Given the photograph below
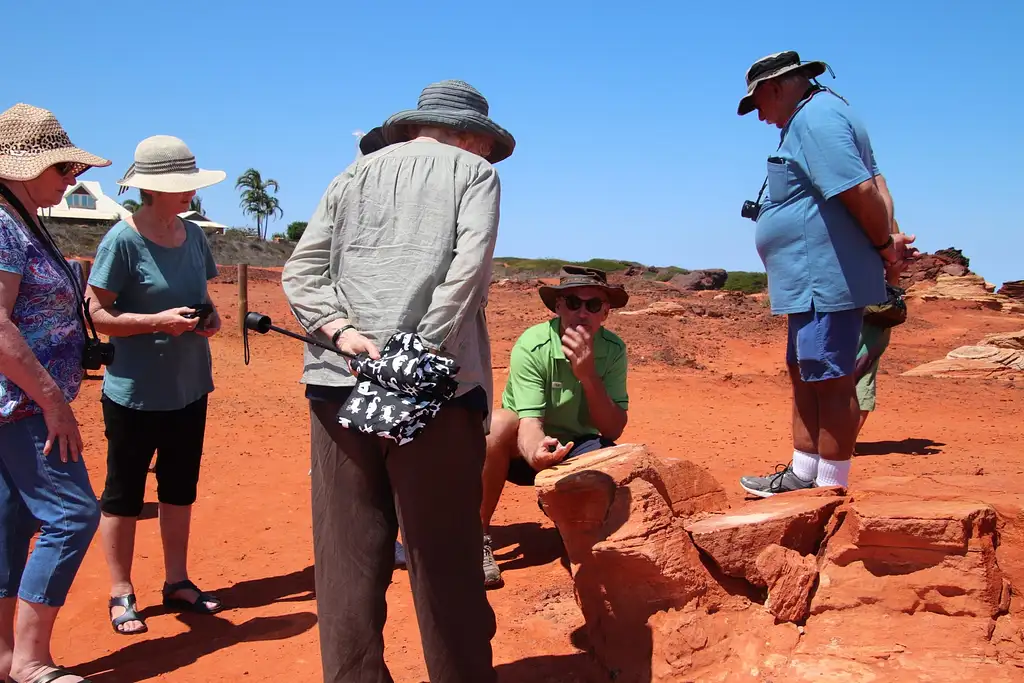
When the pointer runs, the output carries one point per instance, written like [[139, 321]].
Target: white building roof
[[106, 208], [200, 220]]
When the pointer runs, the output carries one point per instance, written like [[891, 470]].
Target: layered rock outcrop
[[817, 585], [971, 288], [995, 356]]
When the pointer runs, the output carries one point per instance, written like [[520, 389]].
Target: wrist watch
[[885, 245]]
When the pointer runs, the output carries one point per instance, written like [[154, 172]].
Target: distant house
[[208, 226], [85, 204]]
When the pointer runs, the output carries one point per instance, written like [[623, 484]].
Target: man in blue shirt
[[825, 235]]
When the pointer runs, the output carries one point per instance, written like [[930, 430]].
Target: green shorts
[[873, 342]]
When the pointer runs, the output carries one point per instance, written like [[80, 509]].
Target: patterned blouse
[[45, 312]]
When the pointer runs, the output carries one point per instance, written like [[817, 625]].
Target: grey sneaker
[[783, 481], [492, 575]]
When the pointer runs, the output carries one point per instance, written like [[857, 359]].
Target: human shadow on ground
[[297, 586], [904, 447], [576, 668], [146, 659], [525, 544]]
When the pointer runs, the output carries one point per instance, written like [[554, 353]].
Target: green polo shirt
[[541, 383]]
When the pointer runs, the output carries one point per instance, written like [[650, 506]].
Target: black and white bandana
[[397, 395]]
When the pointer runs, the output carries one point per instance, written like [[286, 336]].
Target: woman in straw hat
[[44, 485], [149, 292]]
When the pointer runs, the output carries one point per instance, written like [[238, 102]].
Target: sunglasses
[[593, 305], [64, 167]]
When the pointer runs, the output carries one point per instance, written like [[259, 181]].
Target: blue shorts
[[824, 345]]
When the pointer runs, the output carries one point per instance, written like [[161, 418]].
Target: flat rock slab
[[793, 520], [914, 556]]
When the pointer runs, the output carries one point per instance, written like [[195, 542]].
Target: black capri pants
[[176, 436]]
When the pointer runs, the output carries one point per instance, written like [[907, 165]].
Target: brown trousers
[[364, 488]]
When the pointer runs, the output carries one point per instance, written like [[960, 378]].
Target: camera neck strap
[[42, 235], [808, 96]]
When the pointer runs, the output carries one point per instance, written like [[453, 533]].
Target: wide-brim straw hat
[[456, 105], [164, 163], [32, 140], [571, 277], [773, 66]]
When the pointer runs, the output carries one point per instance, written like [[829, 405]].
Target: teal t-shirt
[[156, 371]]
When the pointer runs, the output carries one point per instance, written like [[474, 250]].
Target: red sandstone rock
[[794, 520], [1004, 340], [790, 577], [1013, 289], [620, 512], [694, 644], [872, 643], [913, 556]]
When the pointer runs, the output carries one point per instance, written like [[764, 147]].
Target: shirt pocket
[[780, 180], [560, 394]]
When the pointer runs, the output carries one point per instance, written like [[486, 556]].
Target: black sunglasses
[[64, 167], [593, 305]]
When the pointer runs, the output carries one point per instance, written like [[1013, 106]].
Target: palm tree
[[131, 205], [257, 200], [196, 205]]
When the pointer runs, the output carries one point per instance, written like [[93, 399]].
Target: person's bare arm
[[17, 360], [22, 368], [114, 323], [883, 187], [867, 205], [539, 450], [609, 418]]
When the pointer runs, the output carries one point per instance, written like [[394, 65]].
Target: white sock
[[833, 473], [805, 465]]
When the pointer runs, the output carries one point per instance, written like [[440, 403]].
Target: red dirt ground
[[709, 388]]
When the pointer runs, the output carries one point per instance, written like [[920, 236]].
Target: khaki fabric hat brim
[[617, 295], [174, 182], [812, 69], [21, 168]]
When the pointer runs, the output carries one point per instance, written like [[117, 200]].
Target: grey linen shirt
[[402, 241]]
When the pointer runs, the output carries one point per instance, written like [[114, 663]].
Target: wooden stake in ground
[[243, 295]]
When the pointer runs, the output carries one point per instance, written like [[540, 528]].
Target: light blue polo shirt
[[814, 251]]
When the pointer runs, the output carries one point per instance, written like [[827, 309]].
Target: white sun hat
[[164, 163]]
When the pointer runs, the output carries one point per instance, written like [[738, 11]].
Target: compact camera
[[750, 210], [96, 354], [202, 311]]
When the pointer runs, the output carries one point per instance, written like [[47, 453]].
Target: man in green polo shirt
[[566, 391]]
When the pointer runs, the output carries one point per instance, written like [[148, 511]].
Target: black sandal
[[199, 606], [59, 672], [128, 602]]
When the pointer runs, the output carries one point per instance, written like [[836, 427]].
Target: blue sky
[[628, 142]]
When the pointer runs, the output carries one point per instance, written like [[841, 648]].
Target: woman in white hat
[[149, 293], [44, 485]]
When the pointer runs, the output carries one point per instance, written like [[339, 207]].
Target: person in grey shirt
[[402, 241]]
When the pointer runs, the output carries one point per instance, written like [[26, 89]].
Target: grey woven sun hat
[[32, 140], [774, 66], [451, 104], [164, 163]]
